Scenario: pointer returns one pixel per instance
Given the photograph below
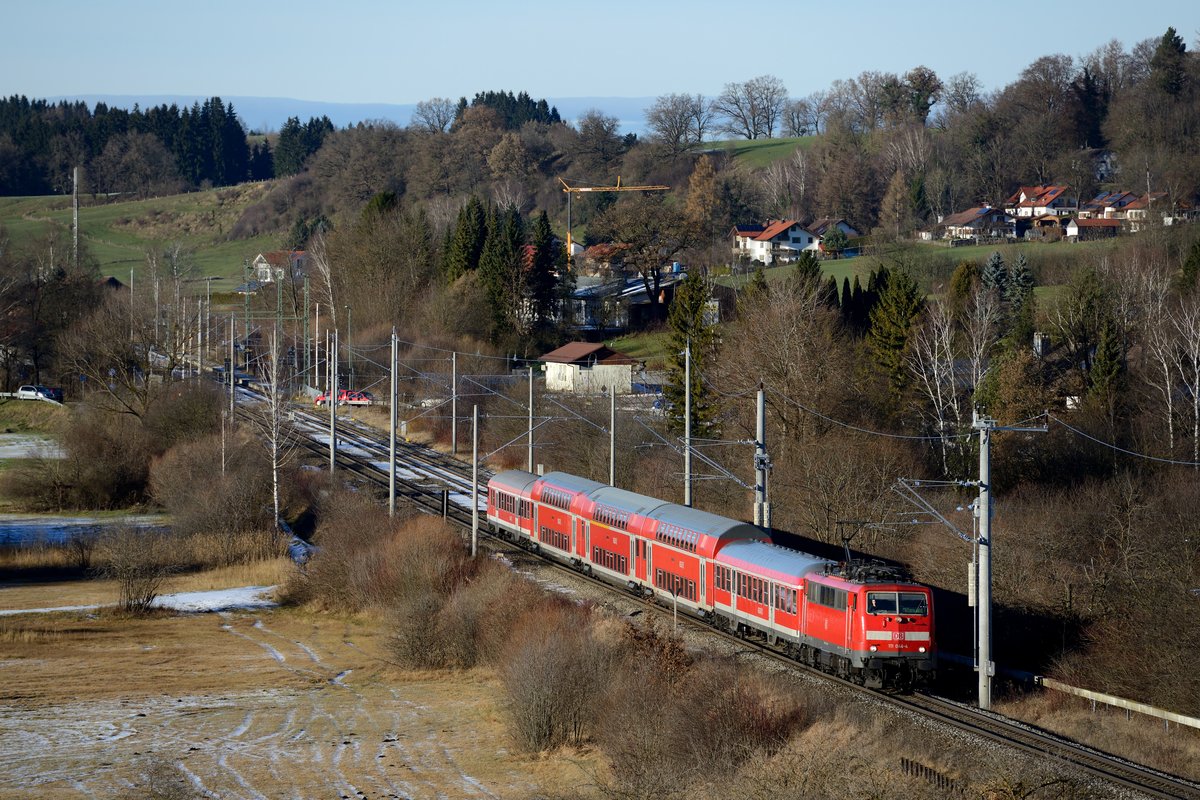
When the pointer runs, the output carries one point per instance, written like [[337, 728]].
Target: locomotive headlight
[[874, 648], [920, 649]]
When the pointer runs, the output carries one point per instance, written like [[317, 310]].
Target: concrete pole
[[331, 400], [392, 435], [317, 348], [75, 217], [687, 424], [612, 438], [984, 588], [760, 461], [453, 403], [229, 376], [474, 501], [529, 458]]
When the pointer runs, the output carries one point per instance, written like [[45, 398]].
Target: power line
[[1119, 449], [867, 431]]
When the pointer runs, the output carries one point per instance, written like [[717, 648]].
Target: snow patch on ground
[[217, 600]]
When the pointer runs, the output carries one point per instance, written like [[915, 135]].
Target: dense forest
[[451, 229]]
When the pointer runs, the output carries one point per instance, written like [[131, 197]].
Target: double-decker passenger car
[[867, 623]]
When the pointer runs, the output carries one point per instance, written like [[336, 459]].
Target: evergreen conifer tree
[[1019, 284], [688, 328], [500, 269], [994, 274], [541, 279], [466, 245], [892, 318]]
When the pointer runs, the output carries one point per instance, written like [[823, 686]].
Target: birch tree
[[931, 361], [271, 417]]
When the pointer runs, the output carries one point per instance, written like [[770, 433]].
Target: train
[[866, 622]]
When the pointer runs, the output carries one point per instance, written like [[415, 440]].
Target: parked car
[[39, 392], [347, 397]]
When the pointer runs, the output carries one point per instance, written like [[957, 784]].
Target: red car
[[347, 398]]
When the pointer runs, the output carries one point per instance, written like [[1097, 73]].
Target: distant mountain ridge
[[270, 113]]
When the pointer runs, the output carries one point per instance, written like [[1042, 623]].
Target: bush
[[553, 672], [139, 561], [230, 510]]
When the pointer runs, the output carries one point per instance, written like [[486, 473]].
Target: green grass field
[[118, 234], [649, 347], [759, 153]]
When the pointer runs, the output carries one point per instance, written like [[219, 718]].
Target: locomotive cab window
[[913, 604], [881, 603]]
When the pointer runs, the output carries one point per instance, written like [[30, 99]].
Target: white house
[[588, 368], [273, 265], [1038, 201], [780, 240]]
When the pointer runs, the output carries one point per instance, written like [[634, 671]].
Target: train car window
[[557, 498], [881, 602], [913, 604], [827, 596]]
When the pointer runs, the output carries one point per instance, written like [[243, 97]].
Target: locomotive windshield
[[909, 604]]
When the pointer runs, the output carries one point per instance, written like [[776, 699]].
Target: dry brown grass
[[282, 703], [37, 556], [1139, 738]]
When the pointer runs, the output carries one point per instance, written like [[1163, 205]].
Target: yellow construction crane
[[571, 190]]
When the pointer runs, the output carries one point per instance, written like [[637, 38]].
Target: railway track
[[361, 453]]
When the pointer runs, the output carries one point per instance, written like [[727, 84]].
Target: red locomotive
[[864, 622]]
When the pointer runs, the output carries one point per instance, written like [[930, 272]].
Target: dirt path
[[274, 704]]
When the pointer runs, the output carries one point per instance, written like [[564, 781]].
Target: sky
[[373, 51]]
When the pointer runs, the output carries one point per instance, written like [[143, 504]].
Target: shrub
[[229, 509], [139, 561], [553, 671]]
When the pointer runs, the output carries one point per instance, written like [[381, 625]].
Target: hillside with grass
[[119, 233]]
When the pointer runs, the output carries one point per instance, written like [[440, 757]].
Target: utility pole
[[75, 218], [230, 372], [474, 479], [349, 351], [529, 459], [331, 399], [762, 466], [316, 350], [392, 435], [985, 667], [687, 424], [453, 403], [612, 437]]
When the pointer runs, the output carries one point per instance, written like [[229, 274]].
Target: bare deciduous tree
[[678, 120], [434, 115], [752, 109], [271, 417], [931, 361]]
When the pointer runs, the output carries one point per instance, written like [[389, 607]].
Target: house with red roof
[[588, 368], [1039, 201], [779, 240], [1150, 207]]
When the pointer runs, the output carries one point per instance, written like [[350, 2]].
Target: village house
[[1079, 230], [980, 222], [588, 368], [1037, 201], [824, 225], [778, 241], [274, 265], [620, 302]]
